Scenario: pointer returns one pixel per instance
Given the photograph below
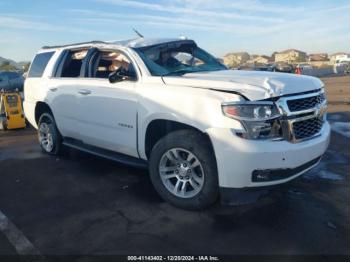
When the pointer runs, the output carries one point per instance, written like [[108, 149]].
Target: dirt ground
[[338, 93], [82, 205]]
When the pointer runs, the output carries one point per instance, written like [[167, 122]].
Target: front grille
[[303, 115], [307, 128], [305, 103]]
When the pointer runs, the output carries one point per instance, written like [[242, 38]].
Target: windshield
[[177, 58]]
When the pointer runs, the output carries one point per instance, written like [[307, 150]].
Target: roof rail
[[82, 43]]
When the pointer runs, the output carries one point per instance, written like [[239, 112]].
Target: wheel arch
[[40, 108], [158, 128]]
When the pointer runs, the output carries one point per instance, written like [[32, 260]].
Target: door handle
[[53, 89], [84, 92]]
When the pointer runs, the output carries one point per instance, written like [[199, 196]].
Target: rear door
[[64, 90], [108, 111]]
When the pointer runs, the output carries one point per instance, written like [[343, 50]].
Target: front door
[[108, 111]]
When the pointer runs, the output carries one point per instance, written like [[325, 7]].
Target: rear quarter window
[[39, 64]]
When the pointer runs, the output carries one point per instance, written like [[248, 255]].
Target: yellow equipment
[[11, 111]]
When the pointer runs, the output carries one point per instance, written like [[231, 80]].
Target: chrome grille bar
[[306, 123]]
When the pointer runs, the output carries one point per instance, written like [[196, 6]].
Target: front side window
[[177, 58], [39, 64], [107, 62]]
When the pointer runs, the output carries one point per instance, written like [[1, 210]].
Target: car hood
[[253, 85]]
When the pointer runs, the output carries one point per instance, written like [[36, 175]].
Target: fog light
[[261, 175]]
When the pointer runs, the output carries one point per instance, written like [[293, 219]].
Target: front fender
[[171, 116]]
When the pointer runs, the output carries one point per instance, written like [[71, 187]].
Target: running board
[[104, 153]]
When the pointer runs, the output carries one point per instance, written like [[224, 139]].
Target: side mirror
[[115, 77], [121, 75]]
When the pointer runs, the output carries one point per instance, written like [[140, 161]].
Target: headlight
[[251, 111], [259, 119]]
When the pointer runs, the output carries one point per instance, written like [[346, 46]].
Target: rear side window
[[72, 64], [39, 64]]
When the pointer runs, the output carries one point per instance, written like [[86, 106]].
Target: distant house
[[262, 59], [234, 59], [252, 57], [318, 57], [290, 56], [273, 56], [340, 56]]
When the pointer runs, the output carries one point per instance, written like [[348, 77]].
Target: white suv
[[168, 105]]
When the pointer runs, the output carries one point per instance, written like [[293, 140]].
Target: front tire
[[49, 137], [183, 170]]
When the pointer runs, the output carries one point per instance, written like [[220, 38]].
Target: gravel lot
[[338, 92], [81, 204]]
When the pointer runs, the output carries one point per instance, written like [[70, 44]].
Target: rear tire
[[183, 170], [49, 137]]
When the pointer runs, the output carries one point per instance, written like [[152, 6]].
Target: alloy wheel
[[181, 173], [45, 137]]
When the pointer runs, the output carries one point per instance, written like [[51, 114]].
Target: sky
[[219, 26]]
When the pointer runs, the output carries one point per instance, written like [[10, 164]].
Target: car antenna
[[138, 33]]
